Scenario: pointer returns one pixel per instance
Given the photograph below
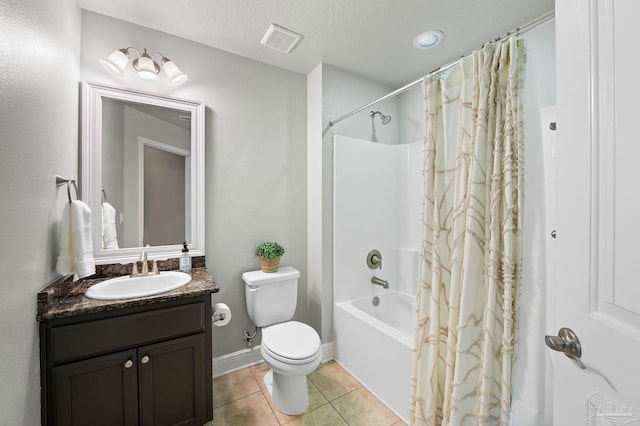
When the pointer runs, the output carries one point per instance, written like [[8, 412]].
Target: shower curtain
[[470, 254]]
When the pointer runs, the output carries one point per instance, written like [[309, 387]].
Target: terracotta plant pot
[[270, 265]]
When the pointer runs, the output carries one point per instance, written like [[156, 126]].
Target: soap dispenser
[[185, 259]]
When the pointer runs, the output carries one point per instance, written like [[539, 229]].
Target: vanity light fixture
[[147, 66], [428, 39]]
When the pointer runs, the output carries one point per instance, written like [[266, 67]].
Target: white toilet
[[292, 349]]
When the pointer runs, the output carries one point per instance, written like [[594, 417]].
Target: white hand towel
[[109, 233], [82, 244], [75, 241], [65, 261]]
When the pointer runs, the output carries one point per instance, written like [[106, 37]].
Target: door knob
[[568, 343], [145, 359], [128, 364]]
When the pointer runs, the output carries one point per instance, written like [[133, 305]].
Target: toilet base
[[289, 393]]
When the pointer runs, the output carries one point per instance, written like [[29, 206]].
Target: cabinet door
[[172, 382], [99, 391]]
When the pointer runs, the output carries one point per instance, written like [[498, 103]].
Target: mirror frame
[[91, 169]]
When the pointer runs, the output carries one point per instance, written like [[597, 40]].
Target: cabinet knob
[[128, 364], [145, 359]]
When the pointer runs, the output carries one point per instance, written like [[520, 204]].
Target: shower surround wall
[[377, 205]]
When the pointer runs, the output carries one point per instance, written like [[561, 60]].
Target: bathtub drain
[[375, 301]]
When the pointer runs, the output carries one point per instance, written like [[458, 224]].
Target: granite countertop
[[65, 298]]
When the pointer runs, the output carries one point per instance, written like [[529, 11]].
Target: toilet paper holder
[[218, 317], [221, 315]]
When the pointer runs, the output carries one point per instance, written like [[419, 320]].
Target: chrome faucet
[[380, 282]]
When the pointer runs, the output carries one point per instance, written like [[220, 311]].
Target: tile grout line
[[336, 408], [330, 402], [237, 399], [339, 413], [337, 397], [266, 398], [319, 390]]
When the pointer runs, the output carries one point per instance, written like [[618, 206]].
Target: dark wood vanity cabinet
[[149, 365], [101, 390]]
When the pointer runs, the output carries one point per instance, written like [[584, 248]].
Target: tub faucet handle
[[374, 259]]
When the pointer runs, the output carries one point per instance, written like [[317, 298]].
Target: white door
[[597, 292]]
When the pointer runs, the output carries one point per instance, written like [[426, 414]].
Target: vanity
[[140, 358], [133, 361]]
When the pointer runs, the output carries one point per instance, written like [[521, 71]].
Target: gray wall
[[40, 45], [411, 115], [255, 154], [343, 91]]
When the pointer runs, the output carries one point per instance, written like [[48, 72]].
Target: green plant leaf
[[269, 250]]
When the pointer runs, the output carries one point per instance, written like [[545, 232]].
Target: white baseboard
[[225, 364], [228, 363], [327, 352]]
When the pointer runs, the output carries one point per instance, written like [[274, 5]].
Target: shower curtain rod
[[522, 29]]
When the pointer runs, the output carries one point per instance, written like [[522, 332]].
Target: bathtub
[[375, 345]]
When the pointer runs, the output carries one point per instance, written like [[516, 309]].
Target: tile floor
[[335, 398]]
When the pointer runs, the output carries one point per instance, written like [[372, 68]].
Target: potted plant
[[269, 254]]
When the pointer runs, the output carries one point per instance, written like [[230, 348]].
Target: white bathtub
[[375, 344]]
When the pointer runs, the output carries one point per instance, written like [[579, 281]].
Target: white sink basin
[[129, 288]]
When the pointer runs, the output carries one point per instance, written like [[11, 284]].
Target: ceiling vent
[[280, 38]]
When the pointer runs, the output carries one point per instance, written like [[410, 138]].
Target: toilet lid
[[292, 340]]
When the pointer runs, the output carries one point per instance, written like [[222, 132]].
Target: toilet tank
[[271, 297]]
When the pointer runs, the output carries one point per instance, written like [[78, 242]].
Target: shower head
[[386, 119]]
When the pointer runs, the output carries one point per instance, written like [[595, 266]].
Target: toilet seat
[[291, 342]]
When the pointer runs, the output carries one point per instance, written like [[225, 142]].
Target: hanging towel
[[75, 254], [109, 233]]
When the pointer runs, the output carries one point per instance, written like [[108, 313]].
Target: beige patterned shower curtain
[[470, 255]]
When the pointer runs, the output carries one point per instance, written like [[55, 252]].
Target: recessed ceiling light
[[428, 39]]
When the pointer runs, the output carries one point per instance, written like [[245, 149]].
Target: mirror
[[142, 173]]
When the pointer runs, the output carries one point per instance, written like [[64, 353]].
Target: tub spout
[[380, 282]]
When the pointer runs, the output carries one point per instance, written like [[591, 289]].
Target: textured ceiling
[[372, 38]]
